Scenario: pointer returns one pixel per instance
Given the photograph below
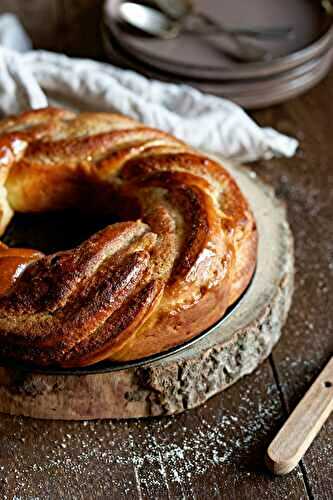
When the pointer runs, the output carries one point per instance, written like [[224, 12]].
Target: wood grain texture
[[186, 379], [305, 182], [303, 425], [60, 25], [216, 450], [213, 452]]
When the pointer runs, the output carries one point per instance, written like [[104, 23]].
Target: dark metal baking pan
[[108, 366]]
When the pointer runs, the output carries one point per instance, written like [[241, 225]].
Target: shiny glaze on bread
[[183, 251]]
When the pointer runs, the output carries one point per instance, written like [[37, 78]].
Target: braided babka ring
[[183, 251]]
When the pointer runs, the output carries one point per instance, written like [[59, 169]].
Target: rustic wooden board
[[303, 425], [306, 183], [215, 451], [190, 377], [108, 460], [60, 25]]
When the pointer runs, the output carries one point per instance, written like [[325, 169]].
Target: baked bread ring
[[184, 248]]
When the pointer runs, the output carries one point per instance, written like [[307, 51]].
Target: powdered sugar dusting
[[148, 456]]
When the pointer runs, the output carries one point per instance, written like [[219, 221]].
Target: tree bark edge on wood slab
[[190, 377]]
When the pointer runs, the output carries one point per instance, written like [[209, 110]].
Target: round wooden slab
[[188, 378]]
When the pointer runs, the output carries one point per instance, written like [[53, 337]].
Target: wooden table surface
[[217, 450]]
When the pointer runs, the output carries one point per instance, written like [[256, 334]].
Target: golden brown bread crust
[[135, 288]]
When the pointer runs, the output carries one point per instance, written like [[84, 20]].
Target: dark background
[[215, 451]]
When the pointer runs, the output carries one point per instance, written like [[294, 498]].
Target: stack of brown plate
[[295, 63]]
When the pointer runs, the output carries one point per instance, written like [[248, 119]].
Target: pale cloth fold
[[33, 79]]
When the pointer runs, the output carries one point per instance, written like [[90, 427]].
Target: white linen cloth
[[34, 79]]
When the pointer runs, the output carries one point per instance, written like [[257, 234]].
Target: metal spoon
[[149, 20], [160, 25], [181, 9]]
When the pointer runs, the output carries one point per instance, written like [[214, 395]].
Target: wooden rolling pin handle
[[302, 426]]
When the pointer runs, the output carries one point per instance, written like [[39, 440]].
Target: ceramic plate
[[248, 93], [195, 57]]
